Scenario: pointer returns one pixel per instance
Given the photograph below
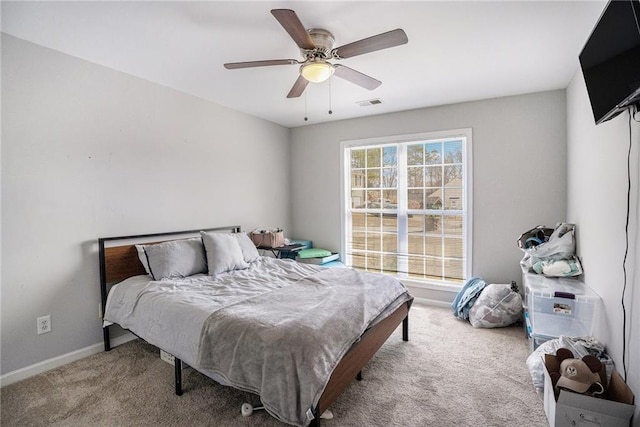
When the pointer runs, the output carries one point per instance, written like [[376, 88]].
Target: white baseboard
[[56, 362], [431, 302]]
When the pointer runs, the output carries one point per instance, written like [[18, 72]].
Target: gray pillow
[[223, 252], [249, 250], [176, 258]]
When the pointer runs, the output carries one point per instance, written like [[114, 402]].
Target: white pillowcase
[[249, 250], [176, 258], [223, 252]]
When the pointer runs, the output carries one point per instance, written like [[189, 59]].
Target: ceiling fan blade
[[249, 64], [356, 77], [298, 87], [371, 44], [290, 22]]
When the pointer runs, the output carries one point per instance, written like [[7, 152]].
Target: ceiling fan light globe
[[317, 72]]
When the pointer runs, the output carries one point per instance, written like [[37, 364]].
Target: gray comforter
[[280, 338]]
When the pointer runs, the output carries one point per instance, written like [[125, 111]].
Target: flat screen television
[[610, 60]]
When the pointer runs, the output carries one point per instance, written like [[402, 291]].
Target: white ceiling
[[457, 51]]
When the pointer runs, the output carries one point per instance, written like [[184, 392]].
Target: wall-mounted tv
[[610, 60]]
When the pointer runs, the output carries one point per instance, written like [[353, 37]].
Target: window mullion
[[403, 224]]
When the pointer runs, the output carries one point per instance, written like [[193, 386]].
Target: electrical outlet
[[169, 358], [43, 324]]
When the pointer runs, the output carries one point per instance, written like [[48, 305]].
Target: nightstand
[[286, 251]]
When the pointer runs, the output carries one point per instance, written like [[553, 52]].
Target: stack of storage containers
[[556, 306]]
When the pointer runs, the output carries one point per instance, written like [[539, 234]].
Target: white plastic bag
[[561, 245], [497, 306]]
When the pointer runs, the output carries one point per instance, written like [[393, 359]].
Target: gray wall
[[89, 152], [597, 188], [519, 177]]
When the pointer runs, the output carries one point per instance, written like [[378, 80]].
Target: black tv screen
[[610, 60]]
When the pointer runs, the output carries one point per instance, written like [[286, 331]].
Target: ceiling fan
[[316, 46]]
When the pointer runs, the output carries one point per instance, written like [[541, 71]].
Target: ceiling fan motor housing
[[323, 40]]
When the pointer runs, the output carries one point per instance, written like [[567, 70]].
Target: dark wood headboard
[[121, 262]]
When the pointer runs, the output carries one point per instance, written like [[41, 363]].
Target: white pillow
[[176, 258], [249, 250], [223, 252]]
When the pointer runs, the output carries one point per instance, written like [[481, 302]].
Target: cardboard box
[[565, 408]]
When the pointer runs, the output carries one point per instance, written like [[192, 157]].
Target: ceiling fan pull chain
[[330, 110], [305, 107]]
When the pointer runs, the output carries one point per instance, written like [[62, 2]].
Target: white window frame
[[345, 195]]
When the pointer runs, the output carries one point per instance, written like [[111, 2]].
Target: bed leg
[[105, 337], [405, 329], [316, 418], [359, 376], [178, 373]]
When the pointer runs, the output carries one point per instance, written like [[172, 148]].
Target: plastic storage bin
[[534, 340], [559, 306]]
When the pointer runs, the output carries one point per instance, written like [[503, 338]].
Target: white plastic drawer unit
[[560, 306]]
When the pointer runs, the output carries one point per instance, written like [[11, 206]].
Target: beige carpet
[[448, 374]]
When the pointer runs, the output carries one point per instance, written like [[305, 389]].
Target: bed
[[269, 326]]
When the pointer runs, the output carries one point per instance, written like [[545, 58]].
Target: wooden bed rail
[[358, 356]]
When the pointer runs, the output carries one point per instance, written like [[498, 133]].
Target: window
[[406, 205]]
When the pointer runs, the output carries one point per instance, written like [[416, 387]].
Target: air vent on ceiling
[[369, 102]]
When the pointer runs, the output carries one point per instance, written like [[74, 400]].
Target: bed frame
[[119, 261]]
